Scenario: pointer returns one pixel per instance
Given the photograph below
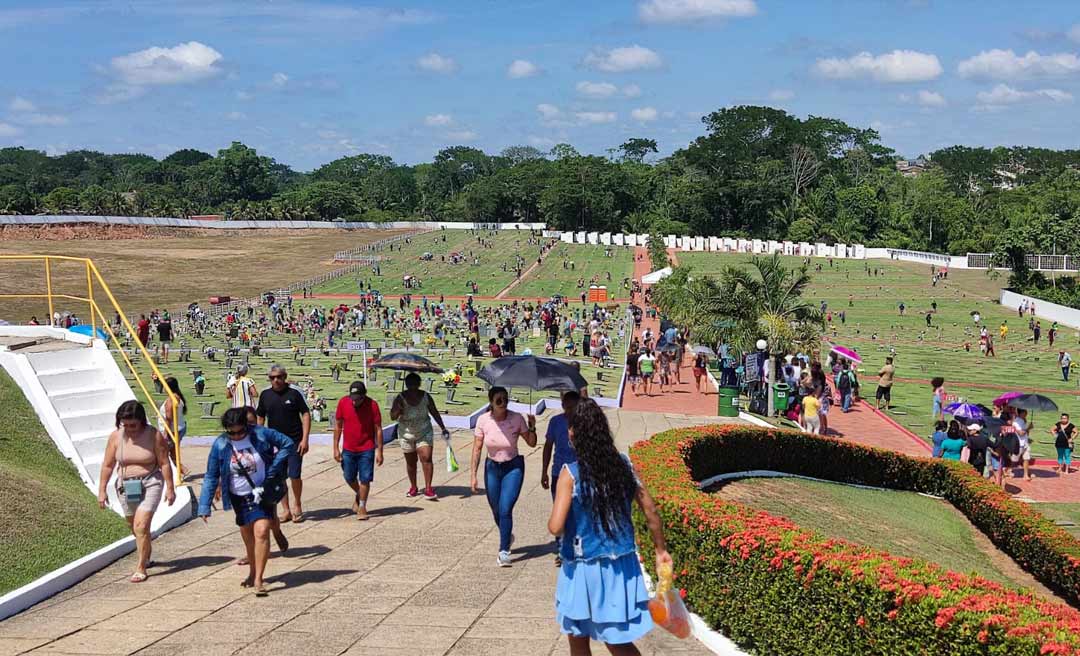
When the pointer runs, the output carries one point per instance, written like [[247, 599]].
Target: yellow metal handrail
[[92, 275]]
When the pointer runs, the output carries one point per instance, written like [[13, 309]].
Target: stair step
[[71, 401], [56, 381]]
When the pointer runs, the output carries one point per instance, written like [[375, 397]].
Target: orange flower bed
[[776, 588]]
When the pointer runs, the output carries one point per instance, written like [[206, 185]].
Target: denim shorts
[[295, 465], [358, 465], [247, 511]]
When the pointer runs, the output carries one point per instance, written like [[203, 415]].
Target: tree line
[[755, 172]]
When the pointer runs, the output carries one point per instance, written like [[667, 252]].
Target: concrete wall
[[20, 219], [1066, 316]]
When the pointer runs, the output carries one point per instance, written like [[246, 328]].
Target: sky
[[306, 82]]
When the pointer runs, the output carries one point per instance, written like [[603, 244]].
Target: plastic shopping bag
[[451, 461], [667, 608]]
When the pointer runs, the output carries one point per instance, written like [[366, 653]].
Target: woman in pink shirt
[[504, 469]]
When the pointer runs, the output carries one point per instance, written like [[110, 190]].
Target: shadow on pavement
[[301, 577], [389, 511], [191, 562]]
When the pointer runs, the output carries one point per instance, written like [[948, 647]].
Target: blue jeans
[[358, 466], [845, 401], [1065, 374], [502, 483]]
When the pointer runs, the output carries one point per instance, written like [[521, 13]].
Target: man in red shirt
[[358, 418], [143, 330]]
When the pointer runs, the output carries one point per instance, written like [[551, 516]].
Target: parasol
[[402, 361], [706, 350], [1005, 398], [533, 373], [964, 410], [1036, 402], [845, 352]]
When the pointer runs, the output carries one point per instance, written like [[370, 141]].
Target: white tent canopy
[[655, 276]]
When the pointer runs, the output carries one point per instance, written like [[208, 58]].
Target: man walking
[[885, 382], [284, 409], [845, 384], [557, 439], [1065, 360]]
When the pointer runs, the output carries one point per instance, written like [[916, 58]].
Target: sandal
[[261, 591], [243, 562], [137, 577], [298, 518]]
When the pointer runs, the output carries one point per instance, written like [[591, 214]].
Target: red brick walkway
[[683, 398]]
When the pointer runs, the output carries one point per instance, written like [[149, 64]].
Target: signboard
[[751, 368], [355, 346]]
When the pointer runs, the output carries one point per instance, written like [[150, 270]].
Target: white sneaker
[[503, 559]]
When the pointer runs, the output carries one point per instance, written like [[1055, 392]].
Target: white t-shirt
[[244, 457], [1021, 431], [242, 388]]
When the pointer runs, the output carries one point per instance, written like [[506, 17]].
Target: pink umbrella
[[845, 352], [1006, 397]]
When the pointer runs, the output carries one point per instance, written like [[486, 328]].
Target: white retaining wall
[[153, 221], [1043, 309]]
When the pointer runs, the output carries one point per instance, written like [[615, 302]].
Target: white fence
[[152, 221], [363, 254]]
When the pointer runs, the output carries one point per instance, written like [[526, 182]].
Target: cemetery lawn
[[48, 517], [875, 329], [589, 263]]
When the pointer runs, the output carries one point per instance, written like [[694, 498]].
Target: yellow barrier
[[92, 276]]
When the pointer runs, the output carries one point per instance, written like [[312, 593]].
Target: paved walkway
[[418, 578], [684, 398], [866, 425]]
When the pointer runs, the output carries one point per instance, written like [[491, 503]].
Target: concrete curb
[[64, 577]]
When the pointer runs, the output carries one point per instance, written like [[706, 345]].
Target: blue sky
[[306, 82]]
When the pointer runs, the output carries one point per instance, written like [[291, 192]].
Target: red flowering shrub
[[776, 588]]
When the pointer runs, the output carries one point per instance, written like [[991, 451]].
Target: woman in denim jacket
[[244, 464]]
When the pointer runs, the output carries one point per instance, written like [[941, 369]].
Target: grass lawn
[[47, 516], [470, 393], [1067, 514], [901, 523], [172, 271], [440, 276], [875, 329], [589, 263]]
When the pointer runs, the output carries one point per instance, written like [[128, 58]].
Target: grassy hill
[[47, 516]]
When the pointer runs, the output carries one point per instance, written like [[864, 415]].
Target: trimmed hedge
[[776, 588]]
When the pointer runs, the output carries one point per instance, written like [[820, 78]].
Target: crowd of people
[[257, 460]]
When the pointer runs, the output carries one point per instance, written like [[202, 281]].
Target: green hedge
[[776, 588]]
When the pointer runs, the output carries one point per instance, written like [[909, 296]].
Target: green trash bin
[[728, 403], [781, 397]]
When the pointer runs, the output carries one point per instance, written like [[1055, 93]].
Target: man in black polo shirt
[[284, 409]]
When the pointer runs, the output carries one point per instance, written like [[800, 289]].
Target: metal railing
[[363, 253], [97, 318]]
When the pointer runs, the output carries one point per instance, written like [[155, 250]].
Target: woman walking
[[1064, 433], [938, 384], [358, 418], [413, 410], [250, 474], [632, 369], [504, 469], [701, 362], [165, 419], [600, 594], [140, 452], [954, 442]]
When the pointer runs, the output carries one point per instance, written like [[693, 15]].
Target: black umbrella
[[532, 372], [1036, 402], [402, 361]]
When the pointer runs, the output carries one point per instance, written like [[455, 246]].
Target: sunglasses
[[277, 377], [242, 431]]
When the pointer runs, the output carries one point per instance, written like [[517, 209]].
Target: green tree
[[62, 200], [658, 255], [637, 149], [15, 199]]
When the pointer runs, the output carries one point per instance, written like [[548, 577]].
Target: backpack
[[1011, 443], [843, 381]]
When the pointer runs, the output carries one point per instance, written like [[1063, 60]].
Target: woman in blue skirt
[[601, 592]]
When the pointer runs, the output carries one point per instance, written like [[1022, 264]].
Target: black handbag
[[274, 489]]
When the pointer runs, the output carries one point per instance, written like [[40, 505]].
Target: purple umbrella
[[965, 410], [845, 352], [1006, 397]]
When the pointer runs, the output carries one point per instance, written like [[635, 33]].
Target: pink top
[[501, 437]]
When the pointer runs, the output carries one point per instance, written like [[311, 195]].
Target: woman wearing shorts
[[632, 369], [140, 452], [701, 361], [413, 410], [646, 365]]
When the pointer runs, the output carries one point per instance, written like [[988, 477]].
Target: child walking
[[600, 594]]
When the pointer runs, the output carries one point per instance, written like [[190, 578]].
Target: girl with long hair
[[600, 594], [165, 420]]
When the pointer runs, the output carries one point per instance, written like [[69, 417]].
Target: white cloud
[[436, 120], [462, 135], [181, 64], [20, 104], [631, 91], [436, 63], [596, 117], [540, 142], [1074, 33], [1007, 65], [622, 60], [930, 99], [781, 95], [279, 80], [9, 130], [596, 89], [548, 111], [236, 116], [895, 66], [644, 114], [520, 68], [692, 11], [1003, 94]]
